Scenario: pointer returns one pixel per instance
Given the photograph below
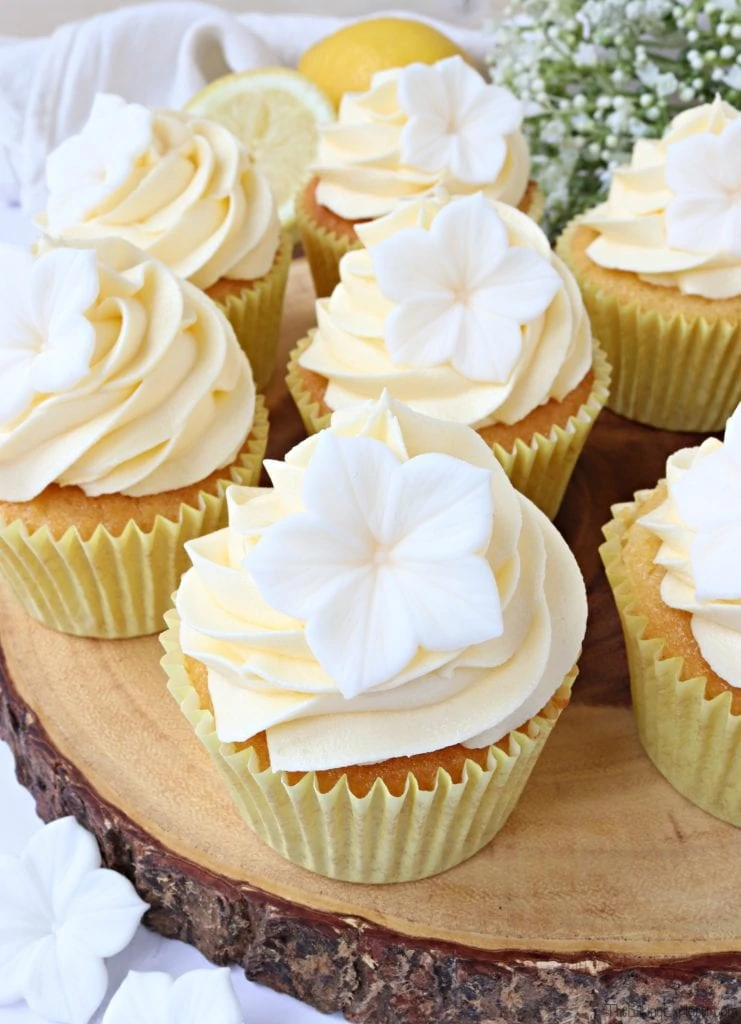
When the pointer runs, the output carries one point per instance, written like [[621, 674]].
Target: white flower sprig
[[597, 75]]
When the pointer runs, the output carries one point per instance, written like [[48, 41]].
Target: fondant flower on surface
[[199, 997], [61, 915], [708, 499], [46, 343], [456, 120], [87, 168], [704, 172], [387, 558], [461, 292]]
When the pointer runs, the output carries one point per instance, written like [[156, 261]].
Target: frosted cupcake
[[659, 266], [459, 308], [184, 190], [379, 645], [126, 409], [417, 128], [673, 559]]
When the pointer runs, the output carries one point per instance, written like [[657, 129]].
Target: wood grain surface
[[604, 889]]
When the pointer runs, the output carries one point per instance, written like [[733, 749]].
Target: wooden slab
[[605, 888]]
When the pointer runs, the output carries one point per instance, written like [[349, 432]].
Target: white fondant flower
[[462, 293], [46, 343], [87, 168], [61, 915], [456, 120], [708, 499], [199, 997], [704, 172], [388, 557]]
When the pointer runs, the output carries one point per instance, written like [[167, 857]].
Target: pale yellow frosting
[[348, 346], [262, 674], [192, 198], [166, 397], [632, 225], [359, 164], [700, 533]]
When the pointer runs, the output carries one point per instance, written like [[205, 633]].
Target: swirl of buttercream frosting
[[177, 186], [634, 224], [350, 347], [699, 526], [263, 674], [126, 379], [367, 163]]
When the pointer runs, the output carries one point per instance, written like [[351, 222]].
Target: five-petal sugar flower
[[87, 168], [704, 172], [61, 915], [387, 557], [404, 532], [46, 343], [198, 997], [462, 294], [457, 121]]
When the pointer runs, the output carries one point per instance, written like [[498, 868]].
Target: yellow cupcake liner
[[112, 587], [540, 468], [667, 371], [337, 833], [323, 248], [256, 314], [536, 207], [695, 742]]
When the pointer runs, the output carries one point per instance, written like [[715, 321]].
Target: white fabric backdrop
[[157, 54]]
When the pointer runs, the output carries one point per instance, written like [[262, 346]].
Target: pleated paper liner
[[676, 372], [325, 248], [539, 468], [115, 586], [694, 741], [422, 832], [255, 312]]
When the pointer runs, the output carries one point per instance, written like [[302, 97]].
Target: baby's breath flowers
[[596, 75]]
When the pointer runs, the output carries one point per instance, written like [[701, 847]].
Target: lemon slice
[[276, 113]]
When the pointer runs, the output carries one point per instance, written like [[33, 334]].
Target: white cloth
[[158, 54]]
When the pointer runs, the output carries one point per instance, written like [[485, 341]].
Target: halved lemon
[[276, 113]]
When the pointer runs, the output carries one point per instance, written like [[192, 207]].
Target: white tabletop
[[148, 952]]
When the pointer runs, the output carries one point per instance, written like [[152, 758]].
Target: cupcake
[[126, 409], [416, 129], [659, 266], [459, 308], [185, 191], [379, 645], [673, 559]]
